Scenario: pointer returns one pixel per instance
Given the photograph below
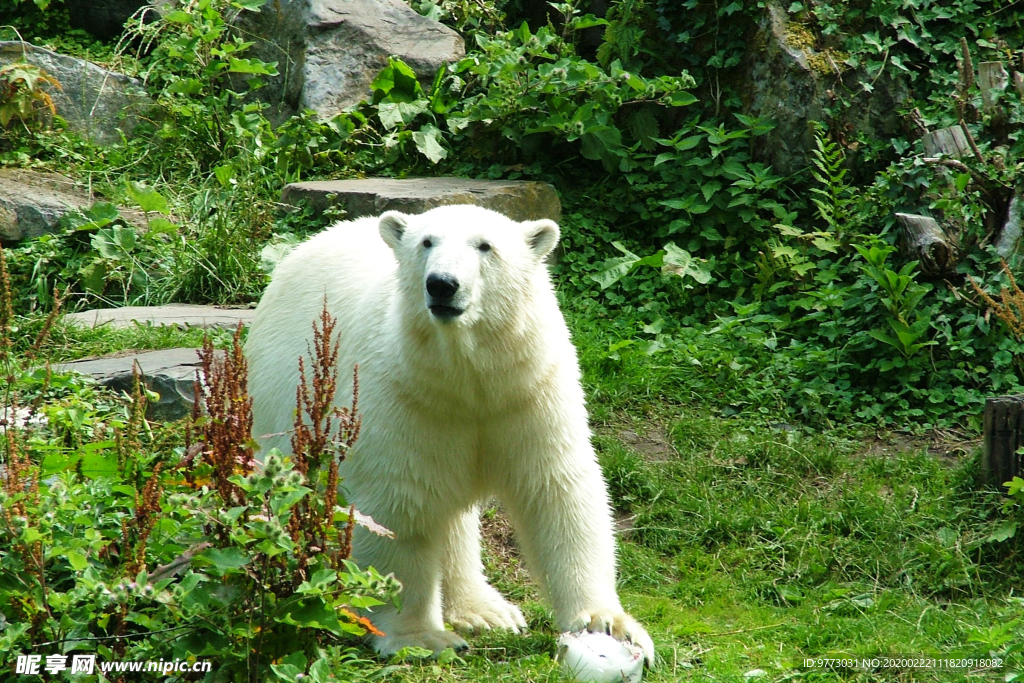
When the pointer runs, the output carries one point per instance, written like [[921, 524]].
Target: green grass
[[754, 548], [72, 342], [748, 543]]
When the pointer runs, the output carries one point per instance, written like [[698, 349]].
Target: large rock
[[95, 102], [179, 315], [170, 373], [792, 84], [519, 200], [32, 202], [329, 51]]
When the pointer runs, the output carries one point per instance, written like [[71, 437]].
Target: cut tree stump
[[1009, 237], [925, 241], [950, 142], [1004, 435]]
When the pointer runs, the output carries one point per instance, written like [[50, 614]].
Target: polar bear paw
[[617, 624], [431, 640], [483, 612]]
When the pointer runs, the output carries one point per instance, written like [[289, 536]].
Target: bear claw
[[617, 624]]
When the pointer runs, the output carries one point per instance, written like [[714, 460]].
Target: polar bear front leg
[[416, 562], [471, 604], [563, 521]]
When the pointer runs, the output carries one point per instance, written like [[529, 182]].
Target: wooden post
[[926, 242], [1009, 237], [992, 81], [1004, 435], [950, 142]]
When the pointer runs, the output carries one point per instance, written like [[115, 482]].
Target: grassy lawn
[[749, 545]]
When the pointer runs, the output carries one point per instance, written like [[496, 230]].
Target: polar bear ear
[[542, 236], [392, 227]]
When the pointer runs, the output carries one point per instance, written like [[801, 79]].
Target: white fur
[[454, 412]]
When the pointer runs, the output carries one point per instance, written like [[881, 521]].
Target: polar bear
[[469, 389]]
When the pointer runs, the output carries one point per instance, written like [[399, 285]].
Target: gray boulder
[[329, 51], [792, 84], [32, 202], [171, 373], [519, 200], [95, 102]]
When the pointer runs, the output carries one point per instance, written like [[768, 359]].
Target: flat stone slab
[[171, 373], [520, 200], [182, 315]]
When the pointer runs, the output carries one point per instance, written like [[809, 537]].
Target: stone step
[[520, 200], [171, 373], [181, 315]]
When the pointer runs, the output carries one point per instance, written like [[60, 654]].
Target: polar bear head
[[458, 265]]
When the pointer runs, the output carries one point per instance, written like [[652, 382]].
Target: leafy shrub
[[124, 542]]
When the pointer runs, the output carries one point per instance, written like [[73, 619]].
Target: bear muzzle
[[441, 299]]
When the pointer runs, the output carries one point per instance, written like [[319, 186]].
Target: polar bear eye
[[484, 246], [427, 244]]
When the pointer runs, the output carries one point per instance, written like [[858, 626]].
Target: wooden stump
[[1004, 435], [992, 81], [949, 142], [926, 242]]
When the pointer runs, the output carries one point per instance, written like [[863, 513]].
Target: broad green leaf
[[225, 559], [311, 612], [146, 197], [252, 66], [681, 98], [77, 560], [826, 244], [279, 247], [613, 270], [1004, 532], [428, 142], [178, 17], [789, 230], [98, 465], [395, 114], [159, 226], [680, 262], [186, 86]]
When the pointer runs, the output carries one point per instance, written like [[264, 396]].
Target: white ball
[[598, 658]]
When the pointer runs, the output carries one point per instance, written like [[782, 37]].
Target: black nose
[[442, 286]]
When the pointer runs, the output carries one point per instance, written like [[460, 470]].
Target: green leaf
[[681, 98], [1003, 532], [311, 612], [826, 244], [158, 226], [614, 269], [93, 277], [77, 560], [146, 197], [186, 86], [115, 242], [252, 66], [99, 465], [680, 262], [428, 142], [178, 17], [227, 560], [395, 114]]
